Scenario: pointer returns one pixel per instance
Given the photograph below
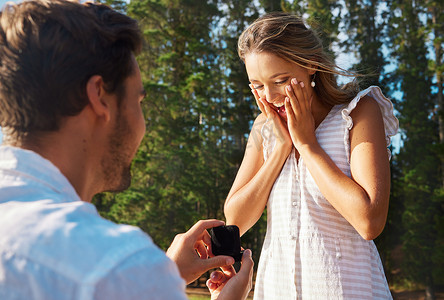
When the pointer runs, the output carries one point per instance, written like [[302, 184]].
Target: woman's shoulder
[[371, 101], [260, 119], [259, 123], [366, 106]]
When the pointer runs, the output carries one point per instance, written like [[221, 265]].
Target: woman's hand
[[301, 123], [191, 251], [226, 284], [279, 128]]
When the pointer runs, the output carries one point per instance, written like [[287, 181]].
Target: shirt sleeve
[[147, 274]]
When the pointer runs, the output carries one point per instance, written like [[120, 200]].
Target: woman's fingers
[[291, 118], [268, 111], [259, 103], [263, 104], [307, 101], [297, 94], [294, 101]]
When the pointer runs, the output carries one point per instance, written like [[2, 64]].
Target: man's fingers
[[200, 227], [229, 270], [206, 238], [201, 250], [217, 261]]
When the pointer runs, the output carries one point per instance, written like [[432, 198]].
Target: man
[[70, 93]]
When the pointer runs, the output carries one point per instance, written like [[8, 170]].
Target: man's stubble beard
[[116, 165]]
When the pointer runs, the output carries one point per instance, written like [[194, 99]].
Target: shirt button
[[295, 203]]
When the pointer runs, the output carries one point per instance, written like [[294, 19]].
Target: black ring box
[[225, 240]]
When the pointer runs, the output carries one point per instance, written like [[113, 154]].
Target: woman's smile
[[280, 109]]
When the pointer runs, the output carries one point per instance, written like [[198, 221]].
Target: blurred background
[[199, 113]]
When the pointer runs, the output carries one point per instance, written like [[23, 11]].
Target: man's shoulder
[[83, 230], [71, 237]]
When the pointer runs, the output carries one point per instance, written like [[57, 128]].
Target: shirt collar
[[36, 168]]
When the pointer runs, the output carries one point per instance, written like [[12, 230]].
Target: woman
[[317, 158]]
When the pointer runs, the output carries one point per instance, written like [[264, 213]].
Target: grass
[[203, 294], [198, 297]]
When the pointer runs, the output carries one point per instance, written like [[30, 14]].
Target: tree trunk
[[430, 289]]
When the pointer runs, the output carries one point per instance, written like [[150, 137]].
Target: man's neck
[[72, 154]]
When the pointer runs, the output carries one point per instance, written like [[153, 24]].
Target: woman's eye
[[282, 81], [258, 87]]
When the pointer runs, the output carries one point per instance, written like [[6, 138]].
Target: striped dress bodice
[[310, 251]]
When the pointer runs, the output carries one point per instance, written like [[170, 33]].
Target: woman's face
[[270, 74]]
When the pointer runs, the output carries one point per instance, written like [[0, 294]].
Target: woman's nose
[[272, 93]]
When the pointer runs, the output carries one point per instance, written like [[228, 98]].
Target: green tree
[[242, 106], [365, 39], [176, 173], [271, 5], [418, 159], [324, 16], [435, 27]]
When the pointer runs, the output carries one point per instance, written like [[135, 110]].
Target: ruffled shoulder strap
[[391, 123]]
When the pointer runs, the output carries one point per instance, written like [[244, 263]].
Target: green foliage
[[419, 159], [324, 20], [323, 16], [199, 112], [197, 119], [366, 37]]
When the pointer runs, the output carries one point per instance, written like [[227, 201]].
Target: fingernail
[[229, 261], [289, 88], [294, 81], [247, 253], [302, 84]]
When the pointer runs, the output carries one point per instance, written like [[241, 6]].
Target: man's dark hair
[[49, 49]]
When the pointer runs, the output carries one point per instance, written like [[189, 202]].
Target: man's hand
[[191, 251], [227, 285]]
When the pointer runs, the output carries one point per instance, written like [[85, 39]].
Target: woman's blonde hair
[[286, 36]]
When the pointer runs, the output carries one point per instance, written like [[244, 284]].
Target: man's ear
[[97, 97]]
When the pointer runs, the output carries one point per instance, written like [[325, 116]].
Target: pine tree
[[242, 106], [418, 160], [324, 16], [177, 169], [365, 38]]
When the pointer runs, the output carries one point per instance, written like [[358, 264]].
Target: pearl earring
[[313, 83]]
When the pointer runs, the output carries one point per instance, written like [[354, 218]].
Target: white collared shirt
[[55, 246]]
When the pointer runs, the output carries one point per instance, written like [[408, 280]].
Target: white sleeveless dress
[[310, 251]]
